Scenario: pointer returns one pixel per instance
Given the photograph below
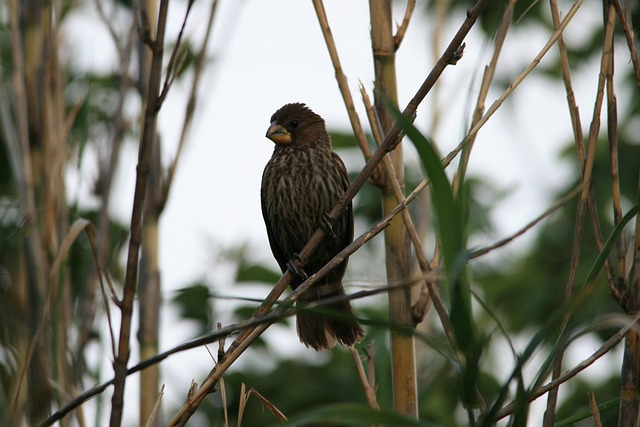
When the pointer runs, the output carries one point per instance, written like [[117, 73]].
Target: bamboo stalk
[[149, 287], [397, 247]]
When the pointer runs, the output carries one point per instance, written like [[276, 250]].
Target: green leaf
[[256, 273], [441, 192], [350, 414], [450, 225], [583, 415], [194, 303], [602, 257]]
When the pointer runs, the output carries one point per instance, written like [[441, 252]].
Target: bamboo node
[[383, 53]]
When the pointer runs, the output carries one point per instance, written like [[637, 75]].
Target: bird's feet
[[295, 267], [326, 222]]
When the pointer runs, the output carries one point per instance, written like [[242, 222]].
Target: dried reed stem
[[142, 171], [402, 29], [630, 35], [595, 413], [548, 212], [369, 390], [549, 417]]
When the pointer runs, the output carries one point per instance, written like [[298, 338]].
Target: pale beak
[[278, 134]]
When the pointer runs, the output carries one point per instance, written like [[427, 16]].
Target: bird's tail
[[320, 327]]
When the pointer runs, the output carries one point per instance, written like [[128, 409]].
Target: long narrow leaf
[[611, 405], [441, 192], [450, 227], [602, 257], [350, 414]]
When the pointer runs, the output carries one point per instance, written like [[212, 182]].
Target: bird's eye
[[294, 123]]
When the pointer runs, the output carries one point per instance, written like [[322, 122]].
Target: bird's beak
[[278, 134]]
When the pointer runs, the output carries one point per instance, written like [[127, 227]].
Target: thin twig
[[223, 397], [103, 186], [369, 390], [343, 86], [154, 413], [612, 134], [397, 192], [135, 240], [172, 68], [487, 79], [630, 35], [574, 113], [595, 413], [402, 29], [500, 243]]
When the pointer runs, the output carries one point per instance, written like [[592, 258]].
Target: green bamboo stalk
[[149, 283], [397, 242]]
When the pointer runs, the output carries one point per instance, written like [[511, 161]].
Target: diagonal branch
[[630, 35], [500, 243], [487, 79], [172, 67], [402, 29]]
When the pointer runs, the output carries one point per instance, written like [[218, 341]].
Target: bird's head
[[297, 124]]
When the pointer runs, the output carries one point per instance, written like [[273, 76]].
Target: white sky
[[265, 54]]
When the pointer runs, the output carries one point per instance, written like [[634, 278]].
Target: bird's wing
[[277, 251], [347, 238]]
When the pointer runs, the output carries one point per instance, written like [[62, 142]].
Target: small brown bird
[[301, 183]]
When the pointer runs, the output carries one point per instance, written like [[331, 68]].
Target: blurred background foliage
[[523, 289]]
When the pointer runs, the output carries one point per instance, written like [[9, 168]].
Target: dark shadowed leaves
[[195, 303]]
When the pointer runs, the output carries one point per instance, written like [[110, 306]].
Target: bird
[[301, 183]]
